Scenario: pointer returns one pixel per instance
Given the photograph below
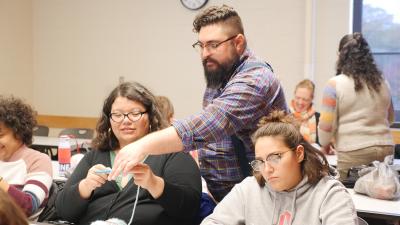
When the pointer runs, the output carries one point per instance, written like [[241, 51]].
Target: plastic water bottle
[[64, 154]]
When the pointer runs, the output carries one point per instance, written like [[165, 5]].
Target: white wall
[[81, 48], [329, 33], [16, 71]]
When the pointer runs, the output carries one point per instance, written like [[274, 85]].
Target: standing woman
[[356, 108]]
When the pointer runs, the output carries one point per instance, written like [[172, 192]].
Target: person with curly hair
[[25, 174], [10, 212], [291, 183], [170, 183], [357, 108], [240, 89]]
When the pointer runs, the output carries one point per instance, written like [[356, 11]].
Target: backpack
[[49, 212]]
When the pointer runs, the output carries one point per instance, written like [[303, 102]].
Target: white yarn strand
[[134, 205]]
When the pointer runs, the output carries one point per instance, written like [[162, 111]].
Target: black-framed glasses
[[210, 46], [132, 116], [272, 160]]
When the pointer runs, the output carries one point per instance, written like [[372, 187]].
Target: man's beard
[[217, 78]]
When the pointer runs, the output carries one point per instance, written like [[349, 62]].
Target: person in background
[[303, 110], [291, 183], [10, 212], [166, 108], [240, 89], [25, 174], [207, 203], [170, 183], [357, 109]]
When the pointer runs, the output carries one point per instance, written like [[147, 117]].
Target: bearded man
[[240, 90]]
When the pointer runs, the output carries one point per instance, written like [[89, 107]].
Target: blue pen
[[103, 171]]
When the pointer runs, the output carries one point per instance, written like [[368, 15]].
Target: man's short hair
[[219, 14]]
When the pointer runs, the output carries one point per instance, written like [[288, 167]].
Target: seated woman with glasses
[[170, 185], [291, 183]]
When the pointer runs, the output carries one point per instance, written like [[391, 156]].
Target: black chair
[[83, 133], [41, 130], [397, 151], [361, 221]]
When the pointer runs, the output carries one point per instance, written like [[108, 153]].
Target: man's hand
[[128, 157]]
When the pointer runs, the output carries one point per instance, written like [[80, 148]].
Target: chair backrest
[[397, 151], [361, 221], [41, 130], [84, 133]]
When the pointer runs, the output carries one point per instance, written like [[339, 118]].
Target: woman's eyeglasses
[[132, 116], [272, 160]]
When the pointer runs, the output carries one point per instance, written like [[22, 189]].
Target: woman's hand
[[144, 177], [128, 157], [92, 181], [328, 150]]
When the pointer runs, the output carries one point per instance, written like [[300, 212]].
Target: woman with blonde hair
[[303, 110]]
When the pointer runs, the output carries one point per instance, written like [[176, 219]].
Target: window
[[379, 21]]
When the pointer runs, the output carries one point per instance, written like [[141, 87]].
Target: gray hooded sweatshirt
[[327, 202]]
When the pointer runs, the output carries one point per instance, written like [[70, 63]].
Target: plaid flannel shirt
[[252, 92]]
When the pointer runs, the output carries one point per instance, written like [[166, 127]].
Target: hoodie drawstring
[[293, 206]]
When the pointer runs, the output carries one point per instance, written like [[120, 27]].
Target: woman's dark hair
[[19, 117], [356, 61], [281, 125], [105, 139]]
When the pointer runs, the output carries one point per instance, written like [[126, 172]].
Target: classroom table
[[332, 160], [52, 142], [49, 145], [375, 208]]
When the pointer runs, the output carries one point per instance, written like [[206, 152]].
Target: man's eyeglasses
[[272, 160], [210, 46], [132, 116]]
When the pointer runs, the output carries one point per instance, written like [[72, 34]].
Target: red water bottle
[[64, 154]]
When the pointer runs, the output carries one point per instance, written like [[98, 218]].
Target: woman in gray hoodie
[[291, 183]]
